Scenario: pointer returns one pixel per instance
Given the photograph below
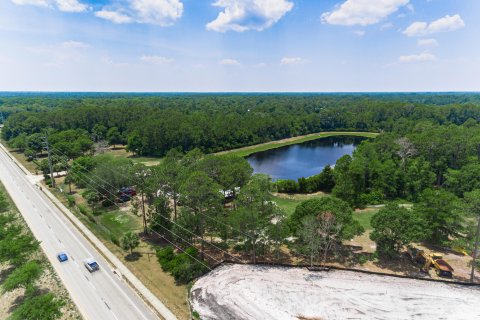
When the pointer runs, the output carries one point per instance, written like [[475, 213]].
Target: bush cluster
[[183, 266]]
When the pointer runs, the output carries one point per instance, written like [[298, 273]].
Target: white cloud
[[229, 62], [422, 57], [158, 60], [445, 24], [62, 5], [386, 26], [292, 60], [113, 16], [74, 45], [359, 33], [39, 3], [362, 12], [70, 5], [427, 43], [243, 15], [160, 12]]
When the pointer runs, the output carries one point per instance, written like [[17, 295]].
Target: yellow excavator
[[432, 260]]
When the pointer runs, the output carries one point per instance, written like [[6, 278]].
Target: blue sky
[[240, 45]]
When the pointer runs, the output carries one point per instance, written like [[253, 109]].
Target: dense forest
[[152, 125]]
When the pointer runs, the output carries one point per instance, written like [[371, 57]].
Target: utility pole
[[49, 159], [475, 252]]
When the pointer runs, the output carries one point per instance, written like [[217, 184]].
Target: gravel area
[[260, 292]]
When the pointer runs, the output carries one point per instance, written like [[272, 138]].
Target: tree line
[[154, 125]]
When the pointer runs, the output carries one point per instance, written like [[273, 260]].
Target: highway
[[101, 295]]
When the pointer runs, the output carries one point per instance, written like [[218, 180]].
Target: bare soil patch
[[260, 292]]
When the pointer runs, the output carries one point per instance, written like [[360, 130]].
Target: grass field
[[364, 217], [246, 151], [120, 151], [119, 223]]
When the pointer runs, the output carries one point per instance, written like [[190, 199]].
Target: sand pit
[[258, 292]]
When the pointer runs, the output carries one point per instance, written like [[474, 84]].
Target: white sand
[[258, 292]]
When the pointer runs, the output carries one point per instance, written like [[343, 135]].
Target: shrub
[[83, 209], [71, 200], [115, 240], [107, 203], [164, 256], [45, 306], [92, 219], [184, 267], [374, 197]]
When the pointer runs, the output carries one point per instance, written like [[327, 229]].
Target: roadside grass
[[246, 151], [48, 281], [29, 165]]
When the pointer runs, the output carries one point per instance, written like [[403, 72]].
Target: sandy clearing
[[260, 292]]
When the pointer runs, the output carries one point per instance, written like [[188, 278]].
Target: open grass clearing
[[246, 151], [289, 202], [120, 151]]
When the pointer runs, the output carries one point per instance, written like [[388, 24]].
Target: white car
[[91, 265]]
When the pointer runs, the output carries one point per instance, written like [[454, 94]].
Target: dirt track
[[259, 292]]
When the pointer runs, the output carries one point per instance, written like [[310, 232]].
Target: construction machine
[[430, 260]]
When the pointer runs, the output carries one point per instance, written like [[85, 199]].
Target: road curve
[[100, 295]]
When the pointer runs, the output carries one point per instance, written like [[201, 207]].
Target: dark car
[[126, 193], [62, 257]]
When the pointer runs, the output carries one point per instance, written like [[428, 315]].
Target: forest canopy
[[153, 124]]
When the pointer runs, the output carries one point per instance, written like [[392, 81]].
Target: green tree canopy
[[45, 306], [130, 241], [394, 227], [24, 276], [337, 207], [443, 219]]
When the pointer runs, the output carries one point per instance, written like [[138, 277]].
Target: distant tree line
[[154, 125]]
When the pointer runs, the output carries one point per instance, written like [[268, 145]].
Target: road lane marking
[[66, 226]]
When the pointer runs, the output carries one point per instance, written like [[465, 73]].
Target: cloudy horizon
[[239, 45]]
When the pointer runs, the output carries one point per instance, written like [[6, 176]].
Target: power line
[[115, 196], [185, 252], [210, 218]]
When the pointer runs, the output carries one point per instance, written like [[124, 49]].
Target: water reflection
[[304, 159]]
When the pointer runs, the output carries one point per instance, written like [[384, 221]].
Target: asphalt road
[[101, 295]]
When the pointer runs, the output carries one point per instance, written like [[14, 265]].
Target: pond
[[303, 159]]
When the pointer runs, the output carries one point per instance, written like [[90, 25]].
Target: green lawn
[[287, 204], [119, 223], [364, 218], [246, 151]]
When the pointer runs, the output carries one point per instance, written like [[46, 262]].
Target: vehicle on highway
[[91, 265], [62, 257]]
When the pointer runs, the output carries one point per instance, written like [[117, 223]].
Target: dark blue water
[[304, 159]]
